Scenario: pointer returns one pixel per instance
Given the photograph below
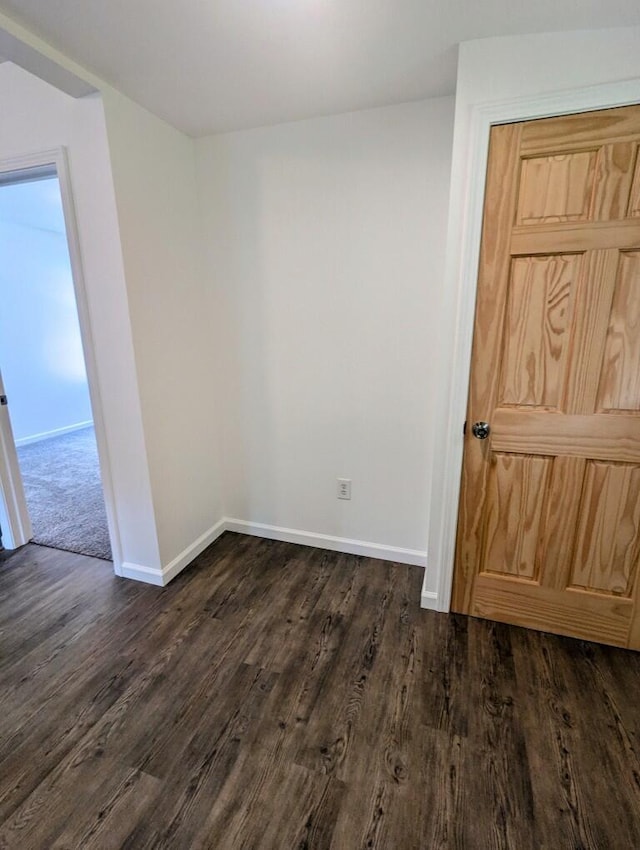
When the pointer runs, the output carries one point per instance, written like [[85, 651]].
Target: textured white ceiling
[[209, 66]]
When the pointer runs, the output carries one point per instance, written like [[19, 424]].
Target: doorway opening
[[49, 425]]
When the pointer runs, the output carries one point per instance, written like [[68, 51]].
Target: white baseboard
[[57, 432], [429, 600], [162, 577], [187, 555], [325, 541], [149, 575]]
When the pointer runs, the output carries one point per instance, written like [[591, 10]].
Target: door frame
[[58, 158], [446, 490], [15, 521]]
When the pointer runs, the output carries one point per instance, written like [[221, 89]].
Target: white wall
[[325, 248], [37, 117], [154, 177], [495, 71], [40, 347], [135, 191]]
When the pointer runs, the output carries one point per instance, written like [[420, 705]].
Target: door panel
[[515, 504], [634, 201], [539, 309], [620, 379], [608, 537], [549, 520], [614, 175], [557, 188]]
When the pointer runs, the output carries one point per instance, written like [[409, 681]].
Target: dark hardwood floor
[[275, 696]]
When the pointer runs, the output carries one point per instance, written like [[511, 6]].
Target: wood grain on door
[[549, 518]]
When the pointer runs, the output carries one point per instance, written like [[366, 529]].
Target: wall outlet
[[344, 488]]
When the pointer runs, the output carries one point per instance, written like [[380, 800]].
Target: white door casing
[[11, 483], [14, 515]]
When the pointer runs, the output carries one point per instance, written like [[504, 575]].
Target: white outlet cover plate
[[344, 488]]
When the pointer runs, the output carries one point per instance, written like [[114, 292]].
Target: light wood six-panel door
[[549, 517]]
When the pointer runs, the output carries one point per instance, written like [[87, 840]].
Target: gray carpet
[[64, 495]]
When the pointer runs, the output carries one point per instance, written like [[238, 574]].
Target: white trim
[[483, 116], [15, 522], [138, 572], [162, 577], [57, 432], [191, 552], [58, 158], [325, 541], [429, 600], [86, 333]]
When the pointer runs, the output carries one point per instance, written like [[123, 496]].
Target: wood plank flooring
[[276, 696]]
